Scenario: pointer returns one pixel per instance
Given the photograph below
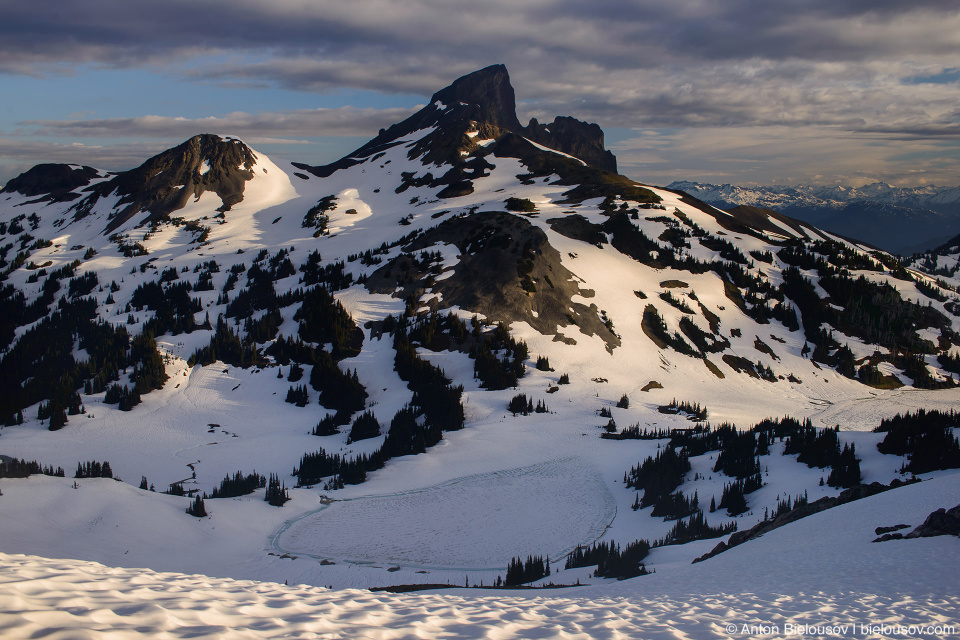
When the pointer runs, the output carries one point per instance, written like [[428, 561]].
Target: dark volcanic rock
[[577, 227], [939, 523], [490, 92], [882, 530], [586, 181], [507, 271], [583, 140], [889, 536], [55, 182], [164, 183], [482, 104]]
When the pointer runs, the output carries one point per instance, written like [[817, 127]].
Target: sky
[[745, 92]]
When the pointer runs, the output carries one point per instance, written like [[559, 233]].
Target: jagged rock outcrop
[[939, 523], [54, 182], [480, 106], [164, 183], [507, 271], [580, 139], [487, 94]]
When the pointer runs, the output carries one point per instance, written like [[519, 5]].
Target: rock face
[[478, 106], [583, 140], [939, 523], [54, 182], [165, 182], [488, 94], [507, 271]]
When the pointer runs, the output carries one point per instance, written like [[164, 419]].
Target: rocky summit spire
[[490, 91], [478, 106]]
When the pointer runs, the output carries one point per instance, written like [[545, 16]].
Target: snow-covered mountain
[[942, 262], [466, 343], [898, 219]]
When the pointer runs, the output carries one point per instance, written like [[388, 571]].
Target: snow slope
[[818, 577]]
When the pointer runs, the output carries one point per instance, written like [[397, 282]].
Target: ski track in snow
[[462, 524]]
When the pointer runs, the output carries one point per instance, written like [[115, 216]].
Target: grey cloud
[[611, 33], [645, 63], [654, 62], [785, 155], [339, 122], [323, 75], [20, 154]]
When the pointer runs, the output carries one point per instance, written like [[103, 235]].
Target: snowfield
[[819, 577]]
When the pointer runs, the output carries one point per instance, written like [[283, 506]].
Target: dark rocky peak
[[487, 95], [54, 182], [164, 183], [586, 180], [478, 106], [580, 139], [482, 101]]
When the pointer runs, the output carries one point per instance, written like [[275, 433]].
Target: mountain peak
[[165, 182], [479, 106], [52, 181], [489, 89]]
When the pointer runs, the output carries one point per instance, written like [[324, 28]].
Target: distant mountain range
[[897, 219]]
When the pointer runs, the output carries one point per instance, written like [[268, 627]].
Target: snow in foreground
[[822, 571]]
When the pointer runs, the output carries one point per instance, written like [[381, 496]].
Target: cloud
[[429, 38], [785, 155], [846, 66], [323, 135], [339, 122], [20, 154]]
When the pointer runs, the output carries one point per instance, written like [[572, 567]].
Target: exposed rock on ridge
[[164, 183], [583, 140], [478, 106], [857, 492], [507, 271], [55, 182]]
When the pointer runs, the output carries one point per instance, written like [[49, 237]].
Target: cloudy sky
[[738, 91]]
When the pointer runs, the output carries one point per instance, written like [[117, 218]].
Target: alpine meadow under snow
[[469, 354]]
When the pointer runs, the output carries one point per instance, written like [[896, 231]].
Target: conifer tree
[[276, 493], [197, 508]]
